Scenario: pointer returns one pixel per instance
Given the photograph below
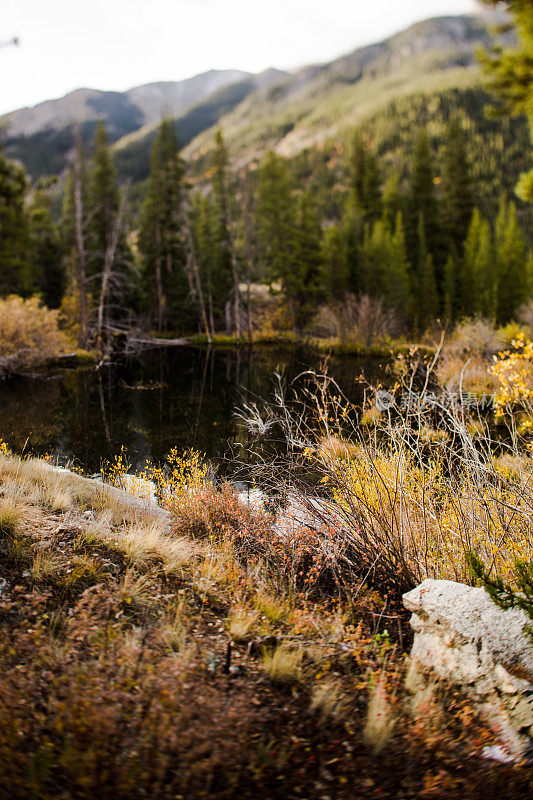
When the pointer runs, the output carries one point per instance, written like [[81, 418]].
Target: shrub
[[476, 337], [396, 502], [29, 334], [364, 321]]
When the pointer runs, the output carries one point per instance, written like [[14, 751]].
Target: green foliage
[[504, 595], [221, 244], [335, 263], [478, 279], [160, 237], [510, 73], [365, 180], [511, 262], [275, 219], [46, 251], [15, 261], [424, 289], [422, 201], [384, 269], [458, 200]]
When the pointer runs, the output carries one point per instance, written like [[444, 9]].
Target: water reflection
[[180, 397]]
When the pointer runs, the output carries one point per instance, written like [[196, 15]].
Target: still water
[[168, 397]]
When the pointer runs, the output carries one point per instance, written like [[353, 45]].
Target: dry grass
[[242, 622], [11, 514], [29, 334], [327, 703], [380, 720], [136, 662], [284, 666]]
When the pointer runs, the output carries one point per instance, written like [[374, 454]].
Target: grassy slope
[[131, 664]]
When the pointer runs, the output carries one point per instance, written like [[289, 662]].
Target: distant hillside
[[132, 153], [42, 137], [308, 108], [320, 101]]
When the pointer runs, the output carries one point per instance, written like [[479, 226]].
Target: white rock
[[470, 617], [464, 638]]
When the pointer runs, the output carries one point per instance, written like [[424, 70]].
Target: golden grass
[[380, 721], [11, 514], [242, 621], [326, 702], [284, 666]]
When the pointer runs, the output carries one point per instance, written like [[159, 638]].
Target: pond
[[168, 397]]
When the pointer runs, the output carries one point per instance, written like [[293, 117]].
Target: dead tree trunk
[[109, 261], [158, 278], [248, 254], [198, 281], [81, 265]]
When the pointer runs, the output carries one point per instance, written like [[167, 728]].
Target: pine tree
[[46, 251], [353, 231], [365, 181], [15, 250], [384, 272], [276, 221], [335, 260], [109, 255], [393, 199], [458, 200], [511, 263], [303, 285], [425, 287], [399, 266], [203, 223], [478, 279], [422, 200], [161, 231], [226, 268], [511, 75]]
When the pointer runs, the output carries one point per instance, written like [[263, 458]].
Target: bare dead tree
[[81, 255], [248, 249], [109, 263], [195, 272]]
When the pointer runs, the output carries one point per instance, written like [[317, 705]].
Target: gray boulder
[[463, 638]]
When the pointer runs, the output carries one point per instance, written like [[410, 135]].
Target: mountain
[[42, 137], [286, 111], [319, 101]]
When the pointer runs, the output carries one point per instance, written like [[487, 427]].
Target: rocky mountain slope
[[275, 109]]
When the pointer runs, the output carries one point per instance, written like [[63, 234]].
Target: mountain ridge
[[284, 110]]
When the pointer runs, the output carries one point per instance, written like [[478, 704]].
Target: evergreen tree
[[204, 232], [400, 266], [478, 279], [393, 199], [276, 221], [458, 200], [425, 287], [15, 250], [225, 274], [384, 272], [335, 261], [353, 230], [46, 251], [302, 285], [422, 201], [365, 181], [161, 232], [511, 263], [511, 75], [109, 255], [103, 200]]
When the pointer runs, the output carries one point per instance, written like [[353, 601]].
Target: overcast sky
[[117, 44]]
